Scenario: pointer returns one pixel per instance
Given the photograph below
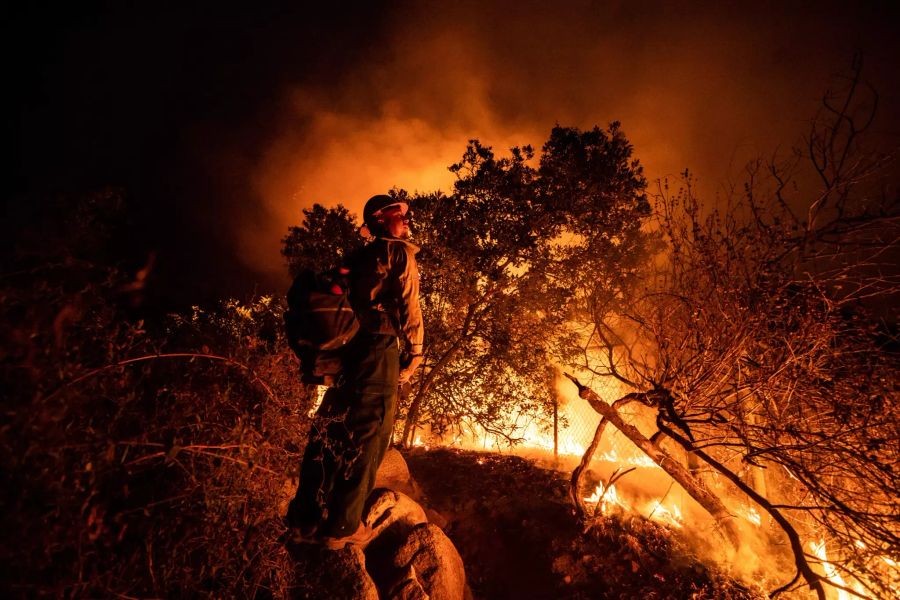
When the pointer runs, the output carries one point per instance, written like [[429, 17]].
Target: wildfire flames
[[606, 499], [818, 548]]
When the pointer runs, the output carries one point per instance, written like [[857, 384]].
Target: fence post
[[555, 427]]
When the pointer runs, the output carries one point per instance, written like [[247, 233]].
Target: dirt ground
[[519, 538]]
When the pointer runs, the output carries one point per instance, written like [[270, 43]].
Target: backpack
[[319, 322]]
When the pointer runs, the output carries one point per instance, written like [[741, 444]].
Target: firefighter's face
[[395, 222]]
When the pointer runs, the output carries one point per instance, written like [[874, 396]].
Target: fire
[[750, 514], [668, 515], [606, 497], [567, 446], [831, 572], [636, 460]]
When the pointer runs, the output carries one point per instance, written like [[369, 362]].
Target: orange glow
[[607, 498], [320, 394], [818, 548], [669, 515], [750, 514]]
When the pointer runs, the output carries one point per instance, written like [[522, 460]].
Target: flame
[[567, 446], [831, 572], [636, 460], [668, 515], [606, 497], [751, 514]]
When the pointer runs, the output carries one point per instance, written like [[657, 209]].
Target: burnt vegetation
[[155, 457]]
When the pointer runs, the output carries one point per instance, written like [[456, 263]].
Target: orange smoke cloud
[[705, 90]]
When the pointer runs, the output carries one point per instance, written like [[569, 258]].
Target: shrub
[[143, 459]]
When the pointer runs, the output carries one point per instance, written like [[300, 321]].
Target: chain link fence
[[566, 437]]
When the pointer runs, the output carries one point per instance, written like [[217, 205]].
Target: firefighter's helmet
[[376, 204]]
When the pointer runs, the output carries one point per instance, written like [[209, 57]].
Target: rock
[[408, 588], [408, 558], [394, 474], [429, 555], [388, 509], [327, 574], [436, 518]]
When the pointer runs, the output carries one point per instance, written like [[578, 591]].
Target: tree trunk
[[693, 486], [576, 483], [427, 381]]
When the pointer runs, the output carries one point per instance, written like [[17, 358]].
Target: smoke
[[705, 89]]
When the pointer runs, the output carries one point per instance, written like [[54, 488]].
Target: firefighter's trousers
[[348, 439]]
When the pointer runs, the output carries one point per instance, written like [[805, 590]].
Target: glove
[[408, 366]]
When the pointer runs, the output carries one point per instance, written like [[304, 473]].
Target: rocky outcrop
[[388, 509], [394, 474], [408, 558], [408, 588], [428, 558], [411, 558]]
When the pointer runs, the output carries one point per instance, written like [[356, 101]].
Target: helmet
[[378, 203]]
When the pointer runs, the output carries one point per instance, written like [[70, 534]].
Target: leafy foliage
[[324, 238]]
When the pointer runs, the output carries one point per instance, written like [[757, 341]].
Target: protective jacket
[[384, 291]]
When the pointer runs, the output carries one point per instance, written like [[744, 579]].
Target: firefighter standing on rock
[[353, 427]]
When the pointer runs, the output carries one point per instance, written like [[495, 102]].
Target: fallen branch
[[693, 486], [803, 567], [576, 483]]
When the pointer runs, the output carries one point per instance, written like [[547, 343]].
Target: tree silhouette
[[322, 240]]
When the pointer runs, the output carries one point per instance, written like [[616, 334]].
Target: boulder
[[437, 518], [408, 588], [394, 474], [429, 556], [389, 509], [408, 558], [326, 574]]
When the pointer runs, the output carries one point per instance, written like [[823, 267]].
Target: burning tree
[[756, 341]]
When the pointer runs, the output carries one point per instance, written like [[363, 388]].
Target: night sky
[[221, 123]]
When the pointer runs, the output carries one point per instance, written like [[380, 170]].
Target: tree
[[325, 236], [499, 259], [756, 344]]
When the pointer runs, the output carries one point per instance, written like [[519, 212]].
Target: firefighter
[[352, 429]]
